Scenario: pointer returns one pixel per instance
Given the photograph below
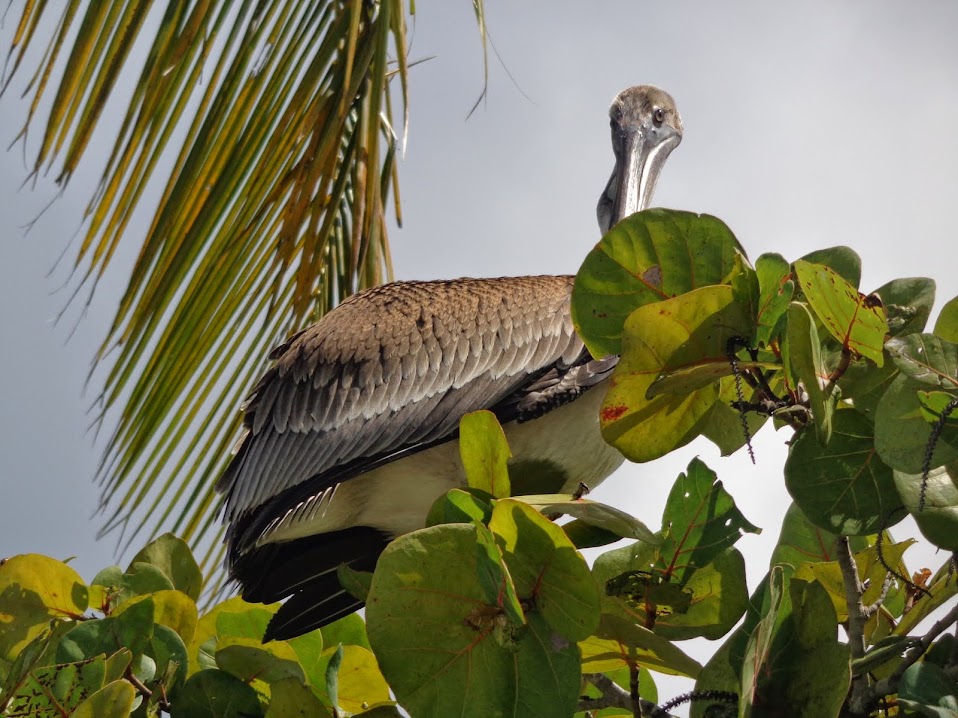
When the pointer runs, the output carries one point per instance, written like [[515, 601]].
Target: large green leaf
[[441, 646], [719, 597], [268, 126], [216, 694], [926, 358], [794, 664], [844, 488], [843, 260], [937, 518], [927, 689], [34, 589], [132, 629], [688, 330], [173, 557], [546, 568], [903, 429], [653, 255], [699, 522], [801, 541]]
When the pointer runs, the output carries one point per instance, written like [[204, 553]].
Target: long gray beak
[[637, 169]]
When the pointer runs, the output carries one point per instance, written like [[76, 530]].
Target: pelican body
[[352, 434]]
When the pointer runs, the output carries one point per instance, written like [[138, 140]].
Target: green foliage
[[141, 649], [491, 609]]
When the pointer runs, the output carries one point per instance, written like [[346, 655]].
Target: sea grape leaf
[[653, 255]]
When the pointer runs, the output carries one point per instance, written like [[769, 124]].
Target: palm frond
[[273, 210]]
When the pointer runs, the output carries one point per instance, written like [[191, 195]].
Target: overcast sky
[[829, 123]]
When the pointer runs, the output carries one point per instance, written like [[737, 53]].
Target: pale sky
[[807, 127]]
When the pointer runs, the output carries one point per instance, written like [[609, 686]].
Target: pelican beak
[[640, 155]]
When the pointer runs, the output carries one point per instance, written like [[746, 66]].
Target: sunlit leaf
[[484, 453], [700, 521], [546, 568], [673, 334], [650, 256], [619, 642], [34, 589], [946, 326], [857, 322]]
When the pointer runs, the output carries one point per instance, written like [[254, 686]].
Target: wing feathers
[[390, 369]]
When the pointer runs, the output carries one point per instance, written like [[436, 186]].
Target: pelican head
[[646, 127]]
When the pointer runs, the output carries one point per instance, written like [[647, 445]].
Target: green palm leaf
[[273, 210]]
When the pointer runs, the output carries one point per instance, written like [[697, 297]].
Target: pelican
[[351, 435]]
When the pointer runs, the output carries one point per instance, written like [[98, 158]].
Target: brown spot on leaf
[[611, 413]]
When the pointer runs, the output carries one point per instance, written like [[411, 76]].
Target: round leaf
[[546, 568], [34, 589], [843, 487], [173, 557], [903, 431], [114, 700], [691, 329], [289, 698], [216, 694], [436, 639], [938, 520], [652, 255]]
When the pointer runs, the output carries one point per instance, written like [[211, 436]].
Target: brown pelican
[[352, 433]]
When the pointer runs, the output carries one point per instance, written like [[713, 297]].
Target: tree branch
[[613, 696], [856, 617], [853, 598]]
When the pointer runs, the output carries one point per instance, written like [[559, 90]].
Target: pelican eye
[[658, 117]]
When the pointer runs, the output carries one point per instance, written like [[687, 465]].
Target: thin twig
[[870, 610]]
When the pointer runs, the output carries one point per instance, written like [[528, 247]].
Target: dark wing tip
[[304, 570]]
